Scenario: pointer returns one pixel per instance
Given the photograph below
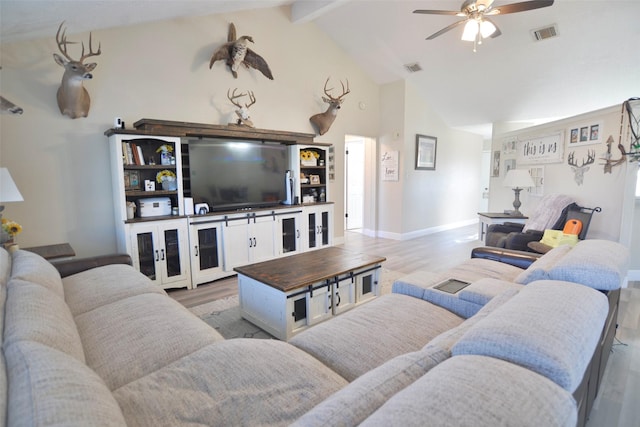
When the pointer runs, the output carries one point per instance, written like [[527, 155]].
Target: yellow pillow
[[555, 238]]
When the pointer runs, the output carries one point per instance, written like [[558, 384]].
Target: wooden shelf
[[149, 167], [140, 193]]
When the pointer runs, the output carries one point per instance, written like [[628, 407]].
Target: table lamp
[[518, 179], [8, 190]]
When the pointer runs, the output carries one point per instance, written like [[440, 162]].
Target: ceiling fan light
[[470, 30], [487, 28]]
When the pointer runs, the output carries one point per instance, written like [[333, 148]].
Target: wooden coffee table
[[287, 295]]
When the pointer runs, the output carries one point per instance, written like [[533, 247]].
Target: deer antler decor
[[578, 171], [323, 121], [73, 98], [235, 53], [242, 111]]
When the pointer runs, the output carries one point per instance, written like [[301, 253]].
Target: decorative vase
[[5, 237], [169, 183], [165, 158]]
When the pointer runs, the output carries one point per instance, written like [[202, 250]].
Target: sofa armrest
[[520, 259], [73, 266]]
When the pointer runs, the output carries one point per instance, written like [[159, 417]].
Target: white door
[[354, 183]]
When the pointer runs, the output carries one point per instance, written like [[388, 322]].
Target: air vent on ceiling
[[545, 32], [413, 68]]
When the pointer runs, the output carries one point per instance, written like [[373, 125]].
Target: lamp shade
[[470, 30], [8, 190], [518, 178]]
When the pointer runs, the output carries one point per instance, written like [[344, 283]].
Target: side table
[[48, 252], [488, 218]]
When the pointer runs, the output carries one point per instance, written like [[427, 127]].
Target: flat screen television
[[232, 174]]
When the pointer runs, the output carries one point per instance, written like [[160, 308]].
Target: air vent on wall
[[545, 32], [413, 68]]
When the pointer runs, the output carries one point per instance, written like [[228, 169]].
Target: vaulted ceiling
[[594, 62]]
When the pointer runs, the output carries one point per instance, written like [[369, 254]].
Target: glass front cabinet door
[[206, 251], [288, 233], [159, 251], [318, 227]]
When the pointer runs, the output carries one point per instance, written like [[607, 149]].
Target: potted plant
[[168, 180]]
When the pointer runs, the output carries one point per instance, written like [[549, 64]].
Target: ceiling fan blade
[[445, 29], [523, 6], [437, 12]]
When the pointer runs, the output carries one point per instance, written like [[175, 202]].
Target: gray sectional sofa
[[102, 346]]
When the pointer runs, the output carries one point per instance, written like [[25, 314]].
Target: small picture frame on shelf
[[131, 180], [314, 179], [134, 179]]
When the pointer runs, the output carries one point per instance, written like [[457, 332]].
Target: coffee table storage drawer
[[344, 294], [367, 284]]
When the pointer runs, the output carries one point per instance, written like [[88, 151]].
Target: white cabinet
[[205, 241], [288, 239], [343, 294], [318, 226], [367, 284], [248, 239], [159, 251]]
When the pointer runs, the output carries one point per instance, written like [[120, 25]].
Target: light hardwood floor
[[618, 401]]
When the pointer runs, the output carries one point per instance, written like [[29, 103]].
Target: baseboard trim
[[633, 275], [426, 231]]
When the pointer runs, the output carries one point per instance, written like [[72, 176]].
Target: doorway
[[354, 182]]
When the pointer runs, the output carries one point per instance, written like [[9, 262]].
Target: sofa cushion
[[130, 338], [33, 268], [354, 403], [447, 339], [477, 391], [550, 328], [100, 286], [539, 270], [50, 388], [364, 338], [236, 382], [600, 264], [34, 313]]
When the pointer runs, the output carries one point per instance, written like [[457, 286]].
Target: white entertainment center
[[184, 249]]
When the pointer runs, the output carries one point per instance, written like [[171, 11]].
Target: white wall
[[599, 189], [423, 201], [159, 71]]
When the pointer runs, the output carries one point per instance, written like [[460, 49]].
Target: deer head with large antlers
[[73, 98], [578, 171], [243, 111], [323, 121]]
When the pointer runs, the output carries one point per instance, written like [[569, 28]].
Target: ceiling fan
[[477, 24]]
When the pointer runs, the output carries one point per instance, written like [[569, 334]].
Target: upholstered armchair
[[551, 213]]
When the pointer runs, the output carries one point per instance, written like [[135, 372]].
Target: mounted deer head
[[243, 111], [578, 171], [73, 98], [323, 121]]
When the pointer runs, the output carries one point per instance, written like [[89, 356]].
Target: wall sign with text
[[542, 149]]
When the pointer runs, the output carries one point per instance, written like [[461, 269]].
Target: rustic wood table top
[[297, 271]]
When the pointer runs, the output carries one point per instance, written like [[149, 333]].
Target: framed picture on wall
[[426, 152], [585, 134]]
